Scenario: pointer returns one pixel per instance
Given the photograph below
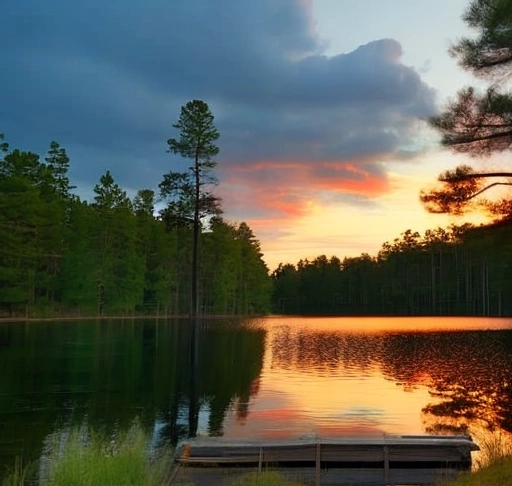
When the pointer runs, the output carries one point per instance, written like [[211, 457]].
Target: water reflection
[[271, 377], [473, 383], [451, 379], [56, 375]]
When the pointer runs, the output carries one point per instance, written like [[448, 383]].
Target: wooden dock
[[366, 461]]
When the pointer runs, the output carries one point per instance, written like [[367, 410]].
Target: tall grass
[[18, 476], [89, 459], [494, 446], [493, 462]]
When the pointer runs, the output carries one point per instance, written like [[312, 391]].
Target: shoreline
[[104, 318]]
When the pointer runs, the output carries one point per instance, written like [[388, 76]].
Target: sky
[[321, 105]]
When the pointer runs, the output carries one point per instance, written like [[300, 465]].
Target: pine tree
[[478, 124], [188, 195]]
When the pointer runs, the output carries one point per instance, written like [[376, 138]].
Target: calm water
[[270, 377]]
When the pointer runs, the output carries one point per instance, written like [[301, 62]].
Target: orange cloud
[[362, 182], [273, 192]]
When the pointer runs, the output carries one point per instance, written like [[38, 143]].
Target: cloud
[[107, 79]]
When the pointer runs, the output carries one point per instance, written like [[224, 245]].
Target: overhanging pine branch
[[475, 175], [488, 187], [468, 138]]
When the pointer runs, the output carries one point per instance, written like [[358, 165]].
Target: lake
[[269, 377]]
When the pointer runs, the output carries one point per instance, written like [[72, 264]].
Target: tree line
[[61, 255], [464, 270]]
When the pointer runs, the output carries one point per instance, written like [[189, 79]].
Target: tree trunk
[[193, 297]]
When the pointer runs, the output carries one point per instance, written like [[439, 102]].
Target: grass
[[493, 462], [497, 474], [88, 459], [18, 476], [494, 446]]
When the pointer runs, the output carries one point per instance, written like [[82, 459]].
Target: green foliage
[[31, 229], [188, 200], [197, 134], [219, 269], [234, 278], [63, 256], [19, 476], [491, 51], [109, 195], [254, 285], [58, 164], [4, 146], [77, 276], [286, 289], [119, 268]]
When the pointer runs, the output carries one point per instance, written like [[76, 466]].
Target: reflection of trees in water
[[312, 351], [230, 360], [110, 372], [475, 384], [468, 373]]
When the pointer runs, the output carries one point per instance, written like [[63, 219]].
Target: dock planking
[[365, 461]]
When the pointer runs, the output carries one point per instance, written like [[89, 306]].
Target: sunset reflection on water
[[272, 377], [372, 376]]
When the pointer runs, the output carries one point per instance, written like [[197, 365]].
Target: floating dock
[[366, 461]]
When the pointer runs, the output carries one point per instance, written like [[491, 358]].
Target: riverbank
[[93, 318], [126, 318], [95, 469]]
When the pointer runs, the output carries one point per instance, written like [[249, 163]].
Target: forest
[[463, 270], [63, 256]]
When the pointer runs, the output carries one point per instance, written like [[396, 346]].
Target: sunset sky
[[320, 105]]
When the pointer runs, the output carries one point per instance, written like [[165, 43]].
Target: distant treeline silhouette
[[464, 270]]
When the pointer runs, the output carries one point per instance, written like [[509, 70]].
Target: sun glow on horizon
[[347, 227]]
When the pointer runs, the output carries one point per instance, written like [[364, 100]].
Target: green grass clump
[[496, 474], [88, 459]]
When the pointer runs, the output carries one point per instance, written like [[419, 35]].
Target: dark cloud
[[107, 78]]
